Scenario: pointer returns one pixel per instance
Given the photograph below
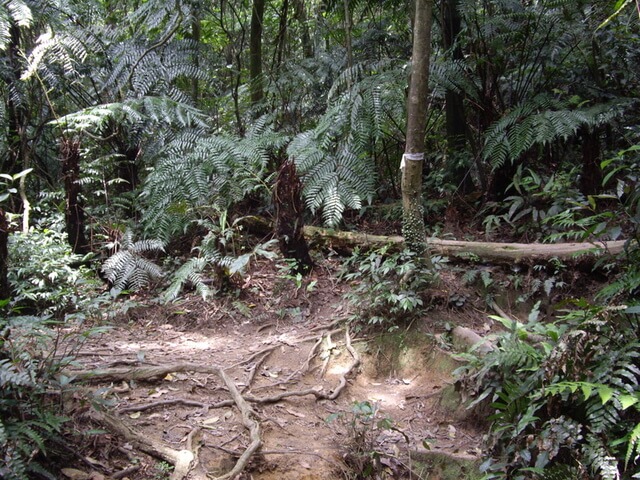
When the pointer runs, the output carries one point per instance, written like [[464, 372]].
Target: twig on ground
[[163, 403], [327, 326], [126, 472], [265, 326], [264, 351]]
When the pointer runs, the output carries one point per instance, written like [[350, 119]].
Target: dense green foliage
[[45, 273], [389, 289], [31, 408], [564, 404]]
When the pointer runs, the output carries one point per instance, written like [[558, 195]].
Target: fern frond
[[154, 110], [602, 462], [189, 273], [11, 377], [335, 159], [633, 445], [453, 75], [126, 268], [13, 11], [215, 170], [541, 121]]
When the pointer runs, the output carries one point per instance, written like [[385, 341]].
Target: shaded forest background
[[144, 143]]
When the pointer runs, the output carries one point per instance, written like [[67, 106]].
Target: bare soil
[[278, 343]]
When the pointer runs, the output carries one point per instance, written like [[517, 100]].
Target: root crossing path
[[239, 397]]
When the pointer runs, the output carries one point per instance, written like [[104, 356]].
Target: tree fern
[[335, 159], [541, 121], [127, 268], [194, 174]]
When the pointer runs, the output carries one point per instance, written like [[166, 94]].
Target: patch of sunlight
[[386, 399]]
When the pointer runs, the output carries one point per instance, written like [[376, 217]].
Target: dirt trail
[[274, 341]]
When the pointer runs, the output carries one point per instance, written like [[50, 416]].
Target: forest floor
[[277, 367]]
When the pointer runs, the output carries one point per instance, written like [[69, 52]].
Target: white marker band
[[416, 157]]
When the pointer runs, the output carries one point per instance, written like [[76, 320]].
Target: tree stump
[[287, 199]]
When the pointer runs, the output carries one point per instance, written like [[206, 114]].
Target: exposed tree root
[[254, 369], [248, 422], [180, 459], [352, 367], [166, 403], [150, 372], [186, 460]]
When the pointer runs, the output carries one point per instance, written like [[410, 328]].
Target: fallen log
[[486, 251]]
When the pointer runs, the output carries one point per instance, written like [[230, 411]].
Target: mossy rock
[[405, 354], [432, 465]]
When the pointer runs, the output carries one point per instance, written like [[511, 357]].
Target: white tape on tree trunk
[[416, 157]]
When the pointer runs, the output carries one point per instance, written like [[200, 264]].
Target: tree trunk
[[591, 175], [347, 33], [287, 198], [282, 35], [196, 33], [232, 76], [413, 227], [456, 124], [255, 52], [5, 290], [15, 110], [74, 212], [305, 37]]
